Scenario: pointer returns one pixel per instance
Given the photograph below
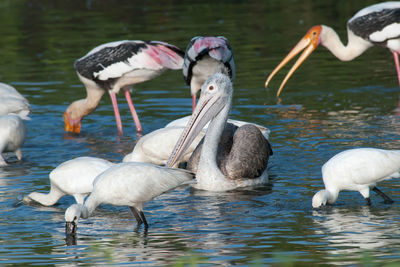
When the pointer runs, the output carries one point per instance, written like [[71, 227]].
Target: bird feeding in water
[[378, 24], [73, 177], [359, 170], [127, 184], [206, 55], [12, 136], [245, 163], [115, 66], [11, 101]]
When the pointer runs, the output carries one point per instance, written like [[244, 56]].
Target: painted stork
[[378, 24], [115, 66], [205, 56], [357, 170], [245, 163]]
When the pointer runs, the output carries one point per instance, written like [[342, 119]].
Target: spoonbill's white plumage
[[127, 184], [157, 146], [357, 169], [245, 164], [73, 177], [11, 101], [378, 24], [115, 66], [12, 136], [206, 55]]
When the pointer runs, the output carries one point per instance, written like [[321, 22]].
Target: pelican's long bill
[[207, 107], [309, 42]]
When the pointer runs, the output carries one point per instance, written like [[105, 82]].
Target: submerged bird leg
[[387, 200], [133, 111], [116, 112], [368, 201], [137, 216], [146, 225]]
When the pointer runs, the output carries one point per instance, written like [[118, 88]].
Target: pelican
[[11, 101], [12, 136], [127, 184], [115, 66], [73, 177], [245, 164], [378, 24], [360, 170], [206, 55]]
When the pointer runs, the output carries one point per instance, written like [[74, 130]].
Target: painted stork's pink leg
[[396, 62], [193, 102], [116, 112], [133, 111]]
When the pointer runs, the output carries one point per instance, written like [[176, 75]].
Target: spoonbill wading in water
[[245, 162], [206, 55], [378, 24], [115, 66], [127, 184], [360, 170]]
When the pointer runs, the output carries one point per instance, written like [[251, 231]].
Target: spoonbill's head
[[320, 199], [216, 92], [308, 43], [72, 215]]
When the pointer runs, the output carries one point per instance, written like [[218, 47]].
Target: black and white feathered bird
[[205, 56], [378, 24], [115, 66]]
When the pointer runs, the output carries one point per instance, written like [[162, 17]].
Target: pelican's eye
[[211, 87]]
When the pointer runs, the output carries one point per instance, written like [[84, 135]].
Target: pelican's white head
[[320, 198]]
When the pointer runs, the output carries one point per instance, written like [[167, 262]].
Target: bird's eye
[[211, 87], [314, 33]]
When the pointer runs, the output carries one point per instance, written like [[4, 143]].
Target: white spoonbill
[[11, 101], [73, 177], [358, 169], [12, 136], [127, 184], [206, 55], [378, 24], [115, 66], [245, 164]]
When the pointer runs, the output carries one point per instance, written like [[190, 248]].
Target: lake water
[[326, 107]]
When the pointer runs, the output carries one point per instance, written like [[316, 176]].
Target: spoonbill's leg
[[133, 111], [146, 225], [387, 200], [137, 216], [368, 201], [116, 112]]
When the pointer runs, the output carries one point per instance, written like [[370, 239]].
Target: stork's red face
[[71, 125], [308, 43]]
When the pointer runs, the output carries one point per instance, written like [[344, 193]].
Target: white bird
[[205, 56], [357, 169], [73, 177], [157, 146], [127, 184], [378, 24], [12, 136], [245, 163], [11, 101], [115, 66]]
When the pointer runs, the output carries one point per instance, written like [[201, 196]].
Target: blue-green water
[[326, 107]]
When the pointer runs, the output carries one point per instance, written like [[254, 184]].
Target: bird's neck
[[84, 107], [355, 46], [209, 176], [331, 195], [46, 199], [90, 205]]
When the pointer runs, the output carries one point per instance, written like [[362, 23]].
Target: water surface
[[326, 107]]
